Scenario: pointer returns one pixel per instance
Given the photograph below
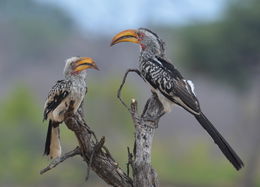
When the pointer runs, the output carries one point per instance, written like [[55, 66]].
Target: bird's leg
[[149, 118], [153, 119], [145, 107], [122, 84]]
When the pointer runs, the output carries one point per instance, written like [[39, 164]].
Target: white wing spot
[[192, 86]]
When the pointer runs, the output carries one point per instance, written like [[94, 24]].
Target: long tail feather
[[220, 141], [48, 140], [52, 143]]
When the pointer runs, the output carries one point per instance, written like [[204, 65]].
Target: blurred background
[[215, 43]]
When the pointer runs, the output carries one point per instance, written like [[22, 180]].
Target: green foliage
[[19, 105], [108, 117], [195, 166], [106, 96], [23, 135], [227, 49], [19, 116], [22, 142]]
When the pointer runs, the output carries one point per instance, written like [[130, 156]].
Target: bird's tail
[[52, 143], [220, 141]]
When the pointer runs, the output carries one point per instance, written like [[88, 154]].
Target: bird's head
[[76, 66], [148, 40]]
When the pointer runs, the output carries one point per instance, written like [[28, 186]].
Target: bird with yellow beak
[[169, 85], [72, 88]]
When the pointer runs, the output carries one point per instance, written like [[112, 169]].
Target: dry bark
[[145, 125], [98, 157], [93, 152]]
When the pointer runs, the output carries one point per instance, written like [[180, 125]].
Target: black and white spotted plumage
[[170, 86], [163, 77], [56, 95], [72, 88]]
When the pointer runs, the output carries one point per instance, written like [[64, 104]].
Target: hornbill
[[169, 85], [72, 89]]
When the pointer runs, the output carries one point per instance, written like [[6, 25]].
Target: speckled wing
[[57, 94], [185, 96], [172, 85]]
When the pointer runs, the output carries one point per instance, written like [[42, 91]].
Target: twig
[[143, 173], [122, 85], [94, 153], [107, 152], [59, 160], [130, 160]]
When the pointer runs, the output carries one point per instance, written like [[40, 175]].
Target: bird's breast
[[76, 95], [158, 79], [156, 76]]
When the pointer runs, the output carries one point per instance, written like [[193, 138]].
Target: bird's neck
[[79, 78], [150, 52]]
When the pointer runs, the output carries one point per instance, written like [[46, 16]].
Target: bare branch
[[103, 164], [94, 153], [59, 160], [143, 173], [122, 85], [130, 160], [97, 148], [98, 157]]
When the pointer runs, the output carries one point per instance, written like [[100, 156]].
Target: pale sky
[[111, 15]]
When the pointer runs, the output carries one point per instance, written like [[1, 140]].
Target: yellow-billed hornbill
[[72, 88], [169, 85]]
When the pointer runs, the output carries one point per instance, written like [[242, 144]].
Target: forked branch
[[98, 157], [94, 153], [143, 173]]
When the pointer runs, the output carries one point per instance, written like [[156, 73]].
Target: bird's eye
[[141, 35]]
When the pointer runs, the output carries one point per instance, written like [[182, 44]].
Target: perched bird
[[169, 85], [72, 88]]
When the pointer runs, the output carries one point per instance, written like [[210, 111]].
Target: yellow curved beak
[[129, 35], [85, 63]]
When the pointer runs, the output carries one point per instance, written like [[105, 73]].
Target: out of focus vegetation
[[23, 136], [36, 29], [226, 50]]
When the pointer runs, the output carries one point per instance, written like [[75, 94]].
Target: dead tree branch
[[94, 153], [98, 157], [143, 173], [57, 161]]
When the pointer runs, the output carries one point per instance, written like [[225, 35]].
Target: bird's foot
[[140, 120], [152, 121]]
